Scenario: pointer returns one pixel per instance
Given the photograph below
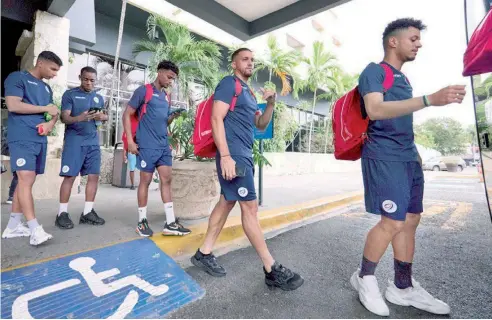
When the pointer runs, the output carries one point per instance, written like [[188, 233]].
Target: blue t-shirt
[[152, 128], [22, 127], [392, 139], [239, 124], [78, 101]]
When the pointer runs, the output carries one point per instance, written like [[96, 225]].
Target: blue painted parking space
[[133, 280]]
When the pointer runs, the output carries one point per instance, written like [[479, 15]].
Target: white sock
[[15, 219], [169, 210], [63, 208], [33, 224], [88, 207], [142, 213]]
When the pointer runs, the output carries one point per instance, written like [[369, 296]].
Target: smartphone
[[92, 109], [240, 170], [178, 110]]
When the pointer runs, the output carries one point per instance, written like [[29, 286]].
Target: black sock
[[403, 274], [367, 268]]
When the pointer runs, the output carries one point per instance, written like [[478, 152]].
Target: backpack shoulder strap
[[149, 91], [389, 77], [237, 92]]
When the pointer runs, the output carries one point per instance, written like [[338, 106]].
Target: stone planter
[[195, 189]]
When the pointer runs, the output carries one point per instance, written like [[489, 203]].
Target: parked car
[[439, 163]]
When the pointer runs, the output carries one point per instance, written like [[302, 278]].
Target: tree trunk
[[115, 69], [312, 122], [270, 76]]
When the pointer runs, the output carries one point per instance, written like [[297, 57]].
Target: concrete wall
[[295, 163]]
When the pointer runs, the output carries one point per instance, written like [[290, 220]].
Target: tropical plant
[[322, 73], [198, 60], [279, 63]]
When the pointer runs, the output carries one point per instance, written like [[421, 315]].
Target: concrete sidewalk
[[119, 208]]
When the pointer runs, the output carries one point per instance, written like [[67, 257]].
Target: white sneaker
[[19, 231], [369, 294], [417, 297], [39, 236]]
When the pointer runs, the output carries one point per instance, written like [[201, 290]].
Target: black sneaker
[[208, 263], [9, 200], [132, 188], [63, 221], [175, 229], [283, 278], [91, 218], [143, 229]]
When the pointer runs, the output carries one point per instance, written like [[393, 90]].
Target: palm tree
[[322, 70], [280, 63], [198, 61], [117, 55]]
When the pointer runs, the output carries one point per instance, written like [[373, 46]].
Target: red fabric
[[478, 55], [348, 125]]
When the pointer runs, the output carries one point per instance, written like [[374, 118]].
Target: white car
[[439, 163]]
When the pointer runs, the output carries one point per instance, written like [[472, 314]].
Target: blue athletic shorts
[[240, 188], [149, 159], [28, 155], [393, 188], [132, 161], [81, 160]]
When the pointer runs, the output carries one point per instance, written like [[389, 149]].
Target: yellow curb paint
[[458, 176], [269, 220]]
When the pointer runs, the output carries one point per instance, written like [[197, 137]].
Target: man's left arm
[[262, 120]]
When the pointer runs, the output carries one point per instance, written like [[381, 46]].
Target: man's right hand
[[83, 117], [132, 147], [448, 95], [228, 167], [52, 110]]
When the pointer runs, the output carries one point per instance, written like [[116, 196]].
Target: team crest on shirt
[[65, 169], [96, 99], [243, 192], [143, 164], [47, 90], [389, 206], [20, 162]]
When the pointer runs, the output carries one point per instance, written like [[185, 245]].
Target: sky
[[439, 62]]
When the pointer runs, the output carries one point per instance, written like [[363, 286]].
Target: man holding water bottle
[[29, 100], [82, 113]]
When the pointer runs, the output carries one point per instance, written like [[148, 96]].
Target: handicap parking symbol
[[144, 283]]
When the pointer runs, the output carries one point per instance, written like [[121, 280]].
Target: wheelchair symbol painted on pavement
[[83, 265]]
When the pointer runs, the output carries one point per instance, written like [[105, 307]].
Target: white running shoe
[[369, 294], [417, 297], [39, 236], [19, 231]]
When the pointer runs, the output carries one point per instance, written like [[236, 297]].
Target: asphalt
[[453, 261]]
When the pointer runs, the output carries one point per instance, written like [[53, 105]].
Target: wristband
[[426, 101]]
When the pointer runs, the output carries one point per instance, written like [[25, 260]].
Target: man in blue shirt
[[233, 132], [152, 147], [392, 172], [82, 112], [28, 99]]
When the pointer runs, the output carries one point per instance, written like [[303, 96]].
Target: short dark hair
[[238, 51], [88, 70], [168, 65], [401, 24], [50, 56]]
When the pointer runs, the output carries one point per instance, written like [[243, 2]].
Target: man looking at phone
[[28, 98], [152, 146], [82, 112], [233, 133]]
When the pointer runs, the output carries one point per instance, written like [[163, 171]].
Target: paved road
[[453, 262]]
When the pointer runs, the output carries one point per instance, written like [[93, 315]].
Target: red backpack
[[349, 125], [203, 139], [149, 91]]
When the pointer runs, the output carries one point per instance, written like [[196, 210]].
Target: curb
[[458, 176], [270, 220]]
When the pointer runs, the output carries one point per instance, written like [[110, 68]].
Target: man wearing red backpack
[[152, 147], [392, 172], [233, 133]]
